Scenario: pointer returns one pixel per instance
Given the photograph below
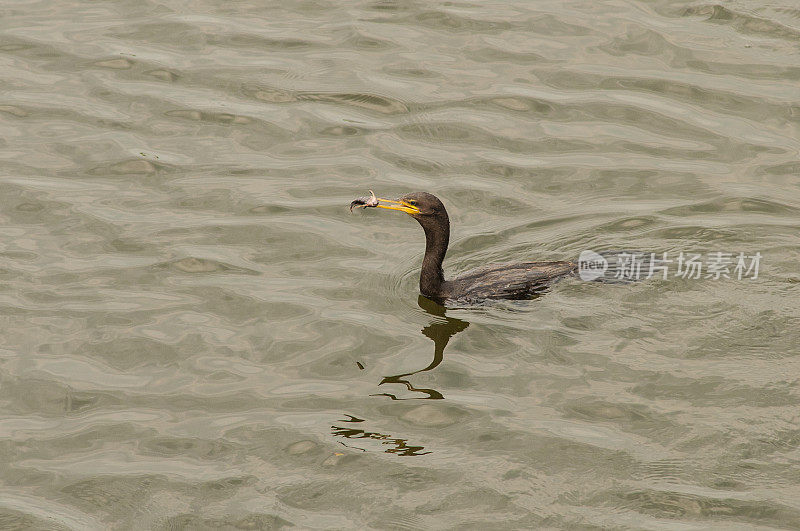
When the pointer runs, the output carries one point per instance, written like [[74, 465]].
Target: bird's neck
[[437, 236]]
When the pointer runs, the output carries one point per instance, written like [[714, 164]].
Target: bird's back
[[507, 281]]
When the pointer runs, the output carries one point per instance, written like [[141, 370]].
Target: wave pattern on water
[[189, 312]]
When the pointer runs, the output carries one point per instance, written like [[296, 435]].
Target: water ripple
[[196, 332]]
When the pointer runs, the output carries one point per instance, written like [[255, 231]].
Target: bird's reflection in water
[[440, 331], [399, 446]]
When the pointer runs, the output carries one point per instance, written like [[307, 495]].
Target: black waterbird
[[496, 281]]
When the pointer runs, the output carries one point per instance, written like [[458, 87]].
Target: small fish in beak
[[364, 202]]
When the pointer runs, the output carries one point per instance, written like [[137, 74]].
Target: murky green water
[[185, 299]]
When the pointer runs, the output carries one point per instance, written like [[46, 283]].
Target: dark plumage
[[497, 281]]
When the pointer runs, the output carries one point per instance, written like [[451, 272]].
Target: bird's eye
[[412, 202]]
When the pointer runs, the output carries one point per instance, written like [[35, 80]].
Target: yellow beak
[[402, 206]]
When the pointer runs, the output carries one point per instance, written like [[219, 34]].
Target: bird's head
[[431, 214], [416, 204]]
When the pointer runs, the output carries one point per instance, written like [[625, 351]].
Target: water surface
[[186, 303]]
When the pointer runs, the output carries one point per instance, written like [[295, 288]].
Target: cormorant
[[497, 281]]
